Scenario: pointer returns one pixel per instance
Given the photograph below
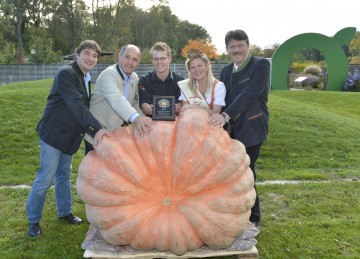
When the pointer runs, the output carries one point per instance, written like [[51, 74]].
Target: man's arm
[[111, 88], [252, 90], [109, 85], [147, 109], [69, 84], [145, 101]]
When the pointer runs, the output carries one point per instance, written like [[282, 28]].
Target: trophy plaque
[[164, 108]]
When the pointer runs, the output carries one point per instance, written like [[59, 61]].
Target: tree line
[[43, 31]]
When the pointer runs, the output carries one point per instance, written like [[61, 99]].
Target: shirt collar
[[87, 78], [154, 77], [126, 78], [246, 61]]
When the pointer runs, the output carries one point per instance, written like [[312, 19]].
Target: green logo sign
[[331, 48]]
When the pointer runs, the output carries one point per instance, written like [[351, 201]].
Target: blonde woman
[[201, 89]]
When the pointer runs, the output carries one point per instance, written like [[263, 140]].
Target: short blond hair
[[161, 46]]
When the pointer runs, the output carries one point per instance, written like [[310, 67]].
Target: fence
[[19, 73]]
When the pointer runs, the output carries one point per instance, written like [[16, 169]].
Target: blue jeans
[[54, 165]]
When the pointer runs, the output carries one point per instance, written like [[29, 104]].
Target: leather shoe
[[34, 229], [72, 219]]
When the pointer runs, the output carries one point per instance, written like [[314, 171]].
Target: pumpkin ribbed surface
[[184, 185]]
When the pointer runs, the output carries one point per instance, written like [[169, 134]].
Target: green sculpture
[[331, 48]]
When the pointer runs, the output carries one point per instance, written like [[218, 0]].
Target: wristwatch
[[226, 117]]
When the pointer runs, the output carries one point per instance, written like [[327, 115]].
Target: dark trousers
[[253, 153], [88, 147]]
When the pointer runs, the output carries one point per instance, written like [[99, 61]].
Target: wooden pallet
[[242, 247], [250, 254]]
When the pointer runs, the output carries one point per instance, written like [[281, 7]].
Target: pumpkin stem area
[[166, 201]]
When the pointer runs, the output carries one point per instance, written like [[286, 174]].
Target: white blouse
[[219, 94]]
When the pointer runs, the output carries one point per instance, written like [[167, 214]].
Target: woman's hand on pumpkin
[[98, 137], [143, 125], [217, 120]]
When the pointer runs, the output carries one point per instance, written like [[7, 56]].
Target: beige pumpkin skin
[[184, 185]]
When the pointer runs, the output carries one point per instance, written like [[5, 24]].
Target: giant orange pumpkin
[[184, 185]]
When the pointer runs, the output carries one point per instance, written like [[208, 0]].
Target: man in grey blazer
[[61, 129], [246, 111], [115, 99]]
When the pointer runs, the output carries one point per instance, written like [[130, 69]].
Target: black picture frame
[[163, 108]]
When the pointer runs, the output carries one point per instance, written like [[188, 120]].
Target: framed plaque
[[164, 108]]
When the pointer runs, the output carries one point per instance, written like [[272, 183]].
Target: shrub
[[297, 67], [312, 70], [352, 83], [312, 81]]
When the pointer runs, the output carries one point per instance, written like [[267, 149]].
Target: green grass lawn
[[314, 136]]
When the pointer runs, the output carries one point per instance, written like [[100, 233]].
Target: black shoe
[[34, 229], [72, 219]]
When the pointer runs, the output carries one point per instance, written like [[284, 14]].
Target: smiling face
[[129, 60], [238, 51], [161, 60], [198, 69], [87, 59]]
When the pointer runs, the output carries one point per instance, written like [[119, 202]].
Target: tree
[[23, 15], [109, 27], [7, 42], [256, 50], [354, 49], [206, 47], [156, 24], [42, 47], [7, 52], [69, 24], [12, 26], [7, 31], [37, 13], [185, 31], [111, 23], [312, 54], [224, 59], [19, 45], [269, 51]]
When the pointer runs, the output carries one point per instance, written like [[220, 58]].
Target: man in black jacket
[[61, 129], [246, 112]]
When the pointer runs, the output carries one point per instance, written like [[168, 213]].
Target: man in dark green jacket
[[246, 112]]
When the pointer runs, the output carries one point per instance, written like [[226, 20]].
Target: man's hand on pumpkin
[[99, 135], [217, 120], [143, 125]]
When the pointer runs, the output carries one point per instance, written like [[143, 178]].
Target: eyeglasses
[[162, 59], [195, 53]]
